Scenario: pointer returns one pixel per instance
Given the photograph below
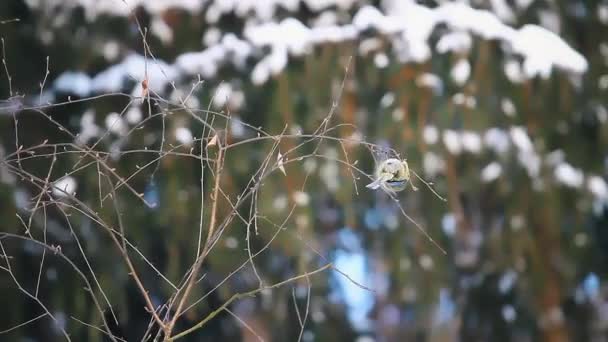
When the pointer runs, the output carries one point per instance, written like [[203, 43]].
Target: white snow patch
[[543, 49], [457, 41], [301, 198], [183, 135], [73, 82], [134, 115], [116, 124], [65, 186], [451, 140], [597, 186], [521, 139], [221, 95], [471, 142], [428, 80], [508, 107], [568, 175], [497, 140], [160, 29], [430, 134], [512, 70], [88, 128], [491, 172], [448, 224], [461, 71], [432, 164]]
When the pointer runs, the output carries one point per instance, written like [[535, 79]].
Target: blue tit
[[392, 175]]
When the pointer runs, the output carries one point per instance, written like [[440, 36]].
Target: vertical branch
[[210, 234], [8, 75], [44, 222], [202, 211], [122, 247], [46, 75]]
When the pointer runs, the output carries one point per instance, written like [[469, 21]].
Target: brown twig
[[199, 262]]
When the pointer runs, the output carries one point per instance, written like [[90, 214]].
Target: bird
[[392, 175]]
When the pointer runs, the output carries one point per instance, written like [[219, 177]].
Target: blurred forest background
[[500, 104]]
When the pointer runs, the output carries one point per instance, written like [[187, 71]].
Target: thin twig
[[247, 326], [23, 324], [243, 295]]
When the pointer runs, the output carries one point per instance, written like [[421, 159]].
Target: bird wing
[[383, 177]]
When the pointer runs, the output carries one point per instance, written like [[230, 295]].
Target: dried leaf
[[213, 141], [144, 87]]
